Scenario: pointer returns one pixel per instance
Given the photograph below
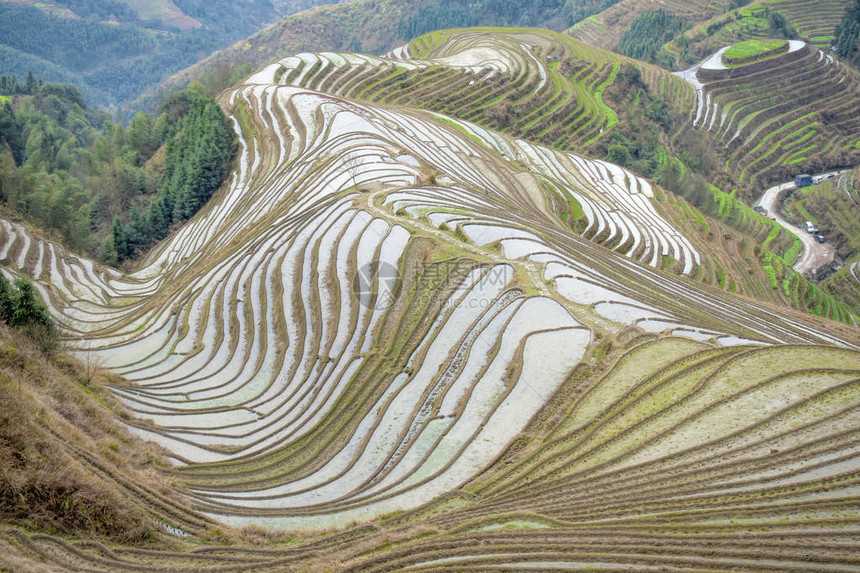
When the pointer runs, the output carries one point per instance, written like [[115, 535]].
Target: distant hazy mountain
[[112, 50]]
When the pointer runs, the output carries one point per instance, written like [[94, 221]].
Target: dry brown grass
[[12, 561], [253, 535], [51, 415]]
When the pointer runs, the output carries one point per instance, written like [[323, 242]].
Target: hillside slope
[[68, 465], [539, 85], [813, 20], [373, 27], [765, 120], [790, 113], [604, 30], [387, 322]]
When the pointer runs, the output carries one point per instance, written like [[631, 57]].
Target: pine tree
[[5, 300], [27, 309], [120, 239], [30, 86]]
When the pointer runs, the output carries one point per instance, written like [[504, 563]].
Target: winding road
[[814, 254]]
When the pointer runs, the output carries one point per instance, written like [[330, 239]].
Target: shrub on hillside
[[21, 308]]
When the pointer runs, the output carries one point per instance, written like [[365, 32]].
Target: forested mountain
[[112, 50], [95, 185], [437, 15]]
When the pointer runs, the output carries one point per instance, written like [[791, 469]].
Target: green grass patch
[[241, 114], [792, 252], [667, 263], [575, 208], [805, 214], [767, 266], [460, 128], [751, 49]]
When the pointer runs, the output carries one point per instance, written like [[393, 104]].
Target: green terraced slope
[[792, 113], [604, 29], [813, 21], [527, 83], [714, 21]]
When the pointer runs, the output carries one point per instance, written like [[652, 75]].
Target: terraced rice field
[[772, 118], [489, 70], [285, 390], [681, 456], [768, 121], [604, 30], [399, 315], [814, 20], [528, 83], [765, 120]]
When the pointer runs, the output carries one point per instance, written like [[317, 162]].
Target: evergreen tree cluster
[[648, 33], [65, 167], [779, 24], [429, 17], [96, 185], [20, 307], [196, 161], [19, 304], [848, 33], [10, 86]]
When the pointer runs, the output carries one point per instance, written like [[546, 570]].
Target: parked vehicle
[[810, 228], [819, 238]]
